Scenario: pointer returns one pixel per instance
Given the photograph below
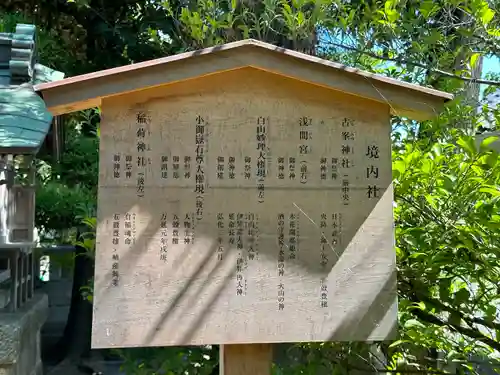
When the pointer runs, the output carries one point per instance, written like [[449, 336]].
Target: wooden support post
[[246, 359]]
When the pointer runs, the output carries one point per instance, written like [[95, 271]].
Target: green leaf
[[413, 323], [490, 190], [468, 144], [399, 167], [444, 289], [494, 32], [462, 296], [454, 319], [431, 200], [427, 8], [426, 166], [486, 15], [398, 343], [411, 240], [287, 8], [473, 60], [417, 255], [492, 159], [418, 305], [300, 18], [488, 141]]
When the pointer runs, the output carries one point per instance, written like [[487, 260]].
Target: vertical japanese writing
[[127, 234], [336, 229], [164, 166], [346, 150], [175, 230], [142, 145], [251, 235], [345, 190], [231, 167], [261, 159], [220, 236], [281, 245], [187, 167], [241, 261], [231, 229], [292, 236], [239, 275], [281, 168], [323, 293], [175, 166], [323, 260], [115, 275], [323, 240], [220, 167], [257, 236], [323, 169], [239, 231], [248, 167], [193, 237], [303, 172], [134, 227], [116, 166], [163, 237], [281, 296], [128, 166], [334, 168], [200, 165], [372, 171], [281, 260], [305, 135], [188, 229], [291, 168]]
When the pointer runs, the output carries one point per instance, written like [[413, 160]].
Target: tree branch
[[427, 317], [469, 320], [430, 318], [405, 62]]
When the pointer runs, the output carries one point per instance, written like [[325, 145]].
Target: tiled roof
[[24, 119]]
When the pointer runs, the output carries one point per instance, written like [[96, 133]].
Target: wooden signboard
[[243, 207]]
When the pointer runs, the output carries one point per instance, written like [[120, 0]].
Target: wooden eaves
[[87, 91]]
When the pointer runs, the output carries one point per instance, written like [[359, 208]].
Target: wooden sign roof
[[88, 90]]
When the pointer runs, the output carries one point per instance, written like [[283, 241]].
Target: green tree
[[446, 186]]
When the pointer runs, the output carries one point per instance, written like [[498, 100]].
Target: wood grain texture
[[335, 278], [85, 91], [246, 359]]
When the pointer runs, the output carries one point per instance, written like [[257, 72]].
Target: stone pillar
[[20, 338]]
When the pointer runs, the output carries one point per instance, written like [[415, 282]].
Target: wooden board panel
[[243, 208], [246, 359]]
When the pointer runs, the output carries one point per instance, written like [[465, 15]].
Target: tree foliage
[[447, 190]]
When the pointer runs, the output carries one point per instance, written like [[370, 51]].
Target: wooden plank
[[309, 259], [85, 91], [246, 359]]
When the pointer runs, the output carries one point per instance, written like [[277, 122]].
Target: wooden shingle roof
[[86, 91]]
